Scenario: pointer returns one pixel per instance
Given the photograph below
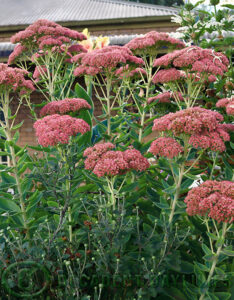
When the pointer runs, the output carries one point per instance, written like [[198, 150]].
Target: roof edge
[[92, 22], [139, 4]]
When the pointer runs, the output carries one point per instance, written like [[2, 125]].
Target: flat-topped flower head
[[213, 199], [106, 59], [189, 121], [195, 59], [44, 34], [64, 106], [111, 163], [228, 103], [152, 42], [202, 125], [13, 79], [166, 97], [55, 129], [135, 160], [94, 154], [168, 75], [103, 160], [166, 147]]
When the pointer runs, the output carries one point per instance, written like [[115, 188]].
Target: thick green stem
[[149, 77], [14, 163], [177, 193], [68, 189], [108, 88], [216, 257], [110, 183], [70, 226], [142, 123]]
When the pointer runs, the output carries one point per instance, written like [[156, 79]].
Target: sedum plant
[[120, 208]]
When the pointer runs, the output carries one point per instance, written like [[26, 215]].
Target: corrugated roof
[[24, 12]]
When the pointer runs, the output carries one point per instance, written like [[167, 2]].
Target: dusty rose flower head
[[18, 50], [213, 199], [135, 160], [166, 147], [152, 42], [104, 60], [94, 154], [168, 75], [202, 125], [166, 97], [195, 59], [64, 106], [228, 103], [12, 79], [39, 73], [111, 163], [227, 127], [56, 129], [103, 161], [43, 33]]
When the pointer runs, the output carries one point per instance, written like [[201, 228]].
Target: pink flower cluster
[[166, 97], [18, 50], [201, 124], [12, 79], [103, 161], [153, 42], [64, 106], [107, 58], [212, 198], [195, 59], [39, 73], [130, 73], [56, 129], [166, 147], [228, 103], [44, 32], [168, 75]]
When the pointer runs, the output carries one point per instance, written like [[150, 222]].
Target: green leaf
[[129, 187], [2, 153], [206, 250], [52, 204], [202, 267], [2, 133], [9, 205], [223, 296], [85, 188], [199, 275], [81, 93], [16, 137], [56, 218], [6, 178], [231, 6], [212, 236], [6, 195], [186, 184], [162, 205], [17, 126], [228, 252], [170, 190], [85, 138]]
